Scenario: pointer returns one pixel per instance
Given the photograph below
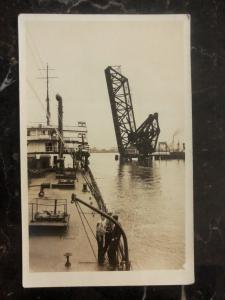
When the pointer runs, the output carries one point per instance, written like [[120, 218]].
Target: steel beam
[[121, 106]]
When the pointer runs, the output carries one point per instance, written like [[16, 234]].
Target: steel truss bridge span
[[131, 141]]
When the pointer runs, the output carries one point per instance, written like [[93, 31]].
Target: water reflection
[[138, 176], [150, 202]]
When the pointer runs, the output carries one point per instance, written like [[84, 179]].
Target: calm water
[[150, 204]]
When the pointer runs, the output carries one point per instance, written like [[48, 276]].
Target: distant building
[[110, 150]]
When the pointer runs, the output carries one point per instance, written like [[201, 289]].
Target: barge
[[65, 203]]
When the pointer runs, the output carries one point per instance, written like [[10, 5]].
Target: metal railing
[[48, 210]]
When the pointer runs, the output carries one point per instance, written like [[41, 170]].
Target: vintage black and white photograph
[[106, 150]]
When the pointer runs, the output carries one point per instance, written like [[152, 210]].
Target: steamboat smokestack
[[60, 129]]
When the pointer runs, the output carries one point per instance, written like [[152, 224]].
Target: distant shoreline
[[104, 151]]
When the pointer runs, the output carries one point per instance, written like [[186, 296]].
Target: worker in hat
[[114, 244]]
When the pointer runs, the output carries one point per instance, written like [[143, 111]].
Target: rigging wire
[[120, 249], [106, 258], [79, 209], [36, 58], [93, 191], [55, 128], [34, 50], [58, 133], [85, 230], [35, 46], [35, 93], [86, 220]]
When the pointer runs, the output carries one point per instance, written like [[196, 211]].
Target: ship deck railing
[[48, 212]]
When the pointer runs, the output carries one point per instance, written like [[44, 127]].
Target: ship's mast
[[47, 100], [48, 114]]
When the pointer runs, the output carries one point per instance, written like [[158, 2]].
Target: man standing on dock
[[108, 233], [100, 237], [114, 244]]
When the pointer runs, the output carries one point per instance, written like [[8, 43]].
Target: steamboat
[[66, 205]]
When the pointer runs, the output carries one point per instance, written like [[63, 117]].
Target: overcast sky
[[151, 54]]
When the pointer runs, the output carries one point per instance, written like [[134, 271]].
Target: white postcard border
[[105, 278]]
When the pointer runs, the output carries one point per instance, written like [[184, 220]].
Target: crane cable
[[78, 205], [86, 220], [85, 231]]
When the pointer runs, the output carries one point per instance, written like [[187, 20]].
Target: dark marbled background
[[208, 78]]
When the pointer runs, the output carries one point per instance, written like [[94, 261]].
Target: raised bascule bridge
[[132, 142]]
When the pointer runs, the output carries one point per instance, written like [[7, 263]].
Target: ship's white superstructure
[[42, 144]]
